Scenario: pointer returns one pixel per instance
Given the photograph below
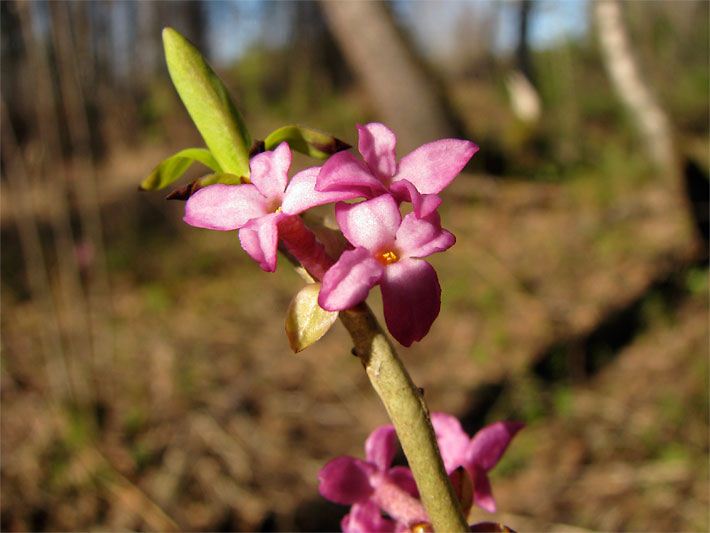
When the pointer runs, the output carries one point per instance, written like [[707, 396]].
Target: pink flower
[[477, 455], [418, 178], [258, 209], [372, 485], [388, 252]]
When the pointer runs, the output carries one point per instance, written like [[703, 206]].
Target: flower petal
[[488, 445], [269, 171], [345, 480], [423, 204], [432, 166], [453, 440], [301, 193], [366, 518], [371, 224], [259, 238], [224, 207], [420, 237], [402, 477], [344, 172], [376, 143], [411, 298], [349, 280], [381, 446], [482, 492]]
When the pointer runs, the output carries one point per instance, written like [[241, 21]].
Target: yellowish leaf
[[306, 321]]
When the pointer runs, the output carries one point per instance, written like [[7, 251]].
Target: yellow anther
[[421, 527], [388, 257]]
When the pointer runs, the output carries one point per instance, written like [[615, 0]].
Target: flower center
[[275, 206], [387, 257]]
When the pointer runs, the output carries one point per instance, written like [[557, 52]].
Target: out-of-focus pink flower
[[417, 178], [477, 455], [256, 209], [388, 251], [373, 485]]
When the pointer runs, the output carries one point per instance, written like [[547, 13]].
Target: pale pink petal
[[371, 224], [381, 446], [423, 204], [402, 477], [376, 143], [482, 492], [224, 207], [259, 238], [431, 167], [344, 172], [269, 171], [301, 193], [453, 441], [345, 480], [366, 518], [488, 445], [411, 298], [418, 237], [349, 280]]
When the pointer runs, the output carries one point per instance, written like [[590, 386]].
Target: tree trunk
[[403, 95], [647, 115]]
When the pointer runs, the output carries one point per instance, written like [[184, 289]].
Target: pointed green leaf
[[220, 177], [208, 103], [309, 141], [172, 168], [183, 193], [306, 321]]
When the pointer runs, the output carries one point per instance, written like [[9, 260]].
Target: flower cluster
[[387, 249], [373, 487]]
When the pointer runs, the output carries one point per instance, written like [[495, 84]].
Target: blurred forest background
[[146, 381]]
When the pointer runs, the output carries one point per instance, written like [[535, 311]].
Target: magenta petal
[[402, 477], [301, 193], [269, 171], [411, 298], [366, 518], [344, 172], [345, 480], [423, 204], [482, 492], [371, 224], [431, 167], [488, 445], [381, 446], [349, 280], [418, 237], [376, 143], [453, 441], [224, 207], [259, 238]]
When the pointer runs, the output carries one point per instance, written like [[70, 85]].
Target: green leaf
[[313, 143], [306, 321], [183, 193], [220, 177], [208, 103], [172, 168]]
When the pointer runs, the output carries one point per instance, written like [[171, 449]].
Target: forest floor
[[574, 307]]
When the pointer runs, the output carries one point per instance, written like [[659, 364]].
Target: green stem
[[406, 408], [402, 399]]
